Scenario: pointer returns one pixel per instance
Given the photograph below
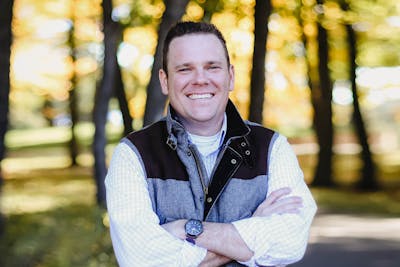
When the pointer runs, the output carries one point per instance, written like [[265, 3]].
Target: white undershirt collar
[[209, 144]]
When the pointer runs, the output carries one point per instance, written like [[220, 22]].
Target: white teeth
[[200, 96]]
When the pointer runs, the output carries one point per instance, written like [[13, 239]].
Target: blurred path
[[353, 241]]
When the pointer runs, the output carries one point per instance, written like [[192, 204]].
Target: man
[[202, 187]]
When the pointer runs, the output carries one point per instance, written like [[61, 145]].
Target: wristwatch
[[193, 228]]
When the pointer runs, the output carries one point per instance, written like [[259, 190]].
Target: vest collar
[[177, 134]]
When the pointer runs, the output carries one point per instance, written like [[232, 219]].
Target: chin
[[203, 117]]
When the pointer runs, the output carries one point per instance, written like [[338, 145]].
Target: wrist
[[193, 229]]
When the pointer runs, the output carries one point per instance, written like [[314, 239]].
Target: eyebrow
[[211, 62], [182, 65]]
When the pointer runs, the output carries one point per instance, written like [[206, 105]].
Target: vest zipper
[[220, 155], [201, 175]]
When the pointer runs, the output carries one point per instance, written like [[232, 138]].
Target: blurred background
[[76, 76]]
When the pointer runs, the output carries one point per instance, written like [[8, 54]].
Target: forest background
[[76, 76]]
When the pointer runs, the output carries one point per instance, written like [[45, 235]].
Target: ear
[[162, 76], [232, 77]]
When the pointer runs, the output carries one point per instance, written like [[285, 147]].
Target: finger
[[290, 211], [277, 194], [288, 200], [289, 207], [279, 206], [281, 201]]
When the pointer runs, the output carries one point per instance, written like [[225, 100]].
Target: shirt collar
[[209, 144]]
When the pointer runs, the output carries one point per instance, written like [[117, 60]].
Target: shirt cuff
[[245, 229], [192, 255]]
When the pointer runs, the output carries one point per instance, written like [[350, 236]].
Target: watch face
[[193, 227]]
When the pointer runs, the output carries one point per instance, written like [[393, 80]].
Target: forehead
[[196, 45]]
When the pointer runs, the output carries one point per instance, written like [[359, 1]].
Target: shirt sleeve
[[137, 237], [280, 239]]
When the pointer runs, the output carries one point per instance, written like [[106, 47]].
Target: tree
[[123, 102], [368, 178], [73, 145], [110, 85], [209, 8], [321, 100], [6, 8], [261, 15], [155, 102]]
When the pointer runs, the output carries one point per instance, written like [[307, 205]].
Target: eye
[[214, 67], [184, 69]]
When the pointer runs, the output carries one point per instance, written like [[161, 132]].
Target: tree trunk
[[6, 7], [321, 100], [312, 71], [73, 144], [73, 107], [123, 102], [112, 33], [155, 102], [368, 179], [209, 8], [261, 16]]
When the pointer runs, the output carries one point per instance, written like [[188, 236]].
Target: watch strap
[[190, 240]]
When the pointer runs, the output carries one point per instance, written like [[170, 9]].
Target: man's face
[[199, 79]]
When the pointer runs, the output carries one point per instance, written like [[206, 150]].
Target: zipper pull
[[206, 190]]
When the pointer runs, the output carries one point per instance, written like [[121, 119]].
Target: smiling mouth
[[201, 96]]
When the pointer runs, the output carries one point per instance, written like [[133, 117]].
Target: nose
[[200, 76]]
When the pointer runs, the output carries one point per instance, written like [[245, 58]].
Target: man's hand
[[214, 260], [176, 228], [277, 203]]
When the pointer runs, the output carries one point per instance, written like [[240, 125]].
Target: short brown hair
[[190, 27]]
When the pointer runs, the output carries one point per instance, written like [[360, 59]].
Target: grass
[[55, 136], [52, 220], [346, 201], [73, 235]]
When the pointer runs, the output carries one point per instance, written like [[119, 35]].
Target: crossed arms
[[222, 240], [277, 233]]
